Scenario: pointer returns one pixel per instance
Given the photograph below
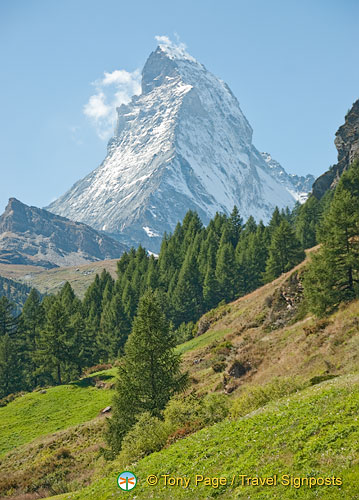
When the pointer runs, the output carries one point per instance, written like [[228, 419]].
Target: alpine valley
[[182, 144], [232, 354]]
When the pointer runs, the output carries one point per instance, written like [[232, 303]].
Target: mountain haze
[[182, 144]]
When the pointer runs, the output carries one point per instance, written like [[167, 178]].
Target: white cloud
[[176, 50], [112, 90]]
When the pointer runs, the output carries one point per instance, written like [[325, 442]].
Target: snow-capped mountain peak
[[174, 50], [299, 186], [182, 144]]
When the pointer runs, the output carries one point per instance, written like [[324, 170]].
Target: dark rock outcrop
[[31, 235], [347, 144]]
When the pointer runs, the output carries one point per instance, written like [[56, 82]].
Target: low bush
[[97, 368], [218, 366], [321, 378], [214, 408], [148, 435], [318, 326], [183, 415], [183, 411]]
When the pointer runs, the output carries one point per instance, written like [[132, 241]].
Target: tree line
[[55, 338]]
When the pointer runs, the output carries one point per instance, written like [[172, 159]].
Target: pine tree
[[226, 272], [251, 257], [210, 289], [31, 322], [307, 222], [114, 329], [235, 222], [285, 251], [129, 301], [83, 348], [152, 274], [68, 298], [187, 296], [149, 374], [57, 347], [8, 320], [333, 275], [10, 369], [275, 221]]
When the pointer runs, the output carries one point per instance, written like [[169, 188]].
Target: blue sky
[[291, 64]]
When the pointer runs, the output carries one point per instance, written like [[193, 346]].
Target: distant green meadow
[[44, 412]]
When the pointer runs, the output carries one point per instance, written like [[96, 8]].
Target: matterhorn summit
[[182, 144]]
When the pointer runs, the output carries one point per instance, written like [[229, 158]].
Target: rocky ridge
[[31, 235]]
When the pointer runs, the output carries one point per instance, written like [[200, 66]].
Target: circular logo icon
[[126, 480]]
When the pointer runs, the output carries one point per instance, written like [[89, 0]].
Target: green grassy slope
[[37, 414], [312, 433]]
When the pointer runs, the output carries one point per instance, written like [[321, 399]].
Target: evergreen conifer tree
[[333, 275], [31, 322], [187, 296], [10, 369], [226, 272], [149, 373], [114, 328], [285, 251], [57, 348], [307, 222]]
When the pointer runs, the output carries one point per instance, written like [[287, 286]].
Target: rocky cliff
[[31, 235], [347, 144]]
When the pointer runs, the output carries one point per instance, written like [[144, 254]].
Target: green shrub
[[218, 366], [193, 412], [223, 348], [256, 396], [149, 434], [183, 415], [183, 411], [321, 378], [214, 408]]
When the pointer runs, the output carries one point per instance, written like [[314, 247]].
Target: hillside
[[247, 343], [40, 431], [51, 280], [265, 331], [278, 439]]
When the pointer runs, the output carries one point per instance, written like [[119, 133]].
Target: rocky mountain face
[[182, 144], [347, 144], [30, 235], [299, 186]]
